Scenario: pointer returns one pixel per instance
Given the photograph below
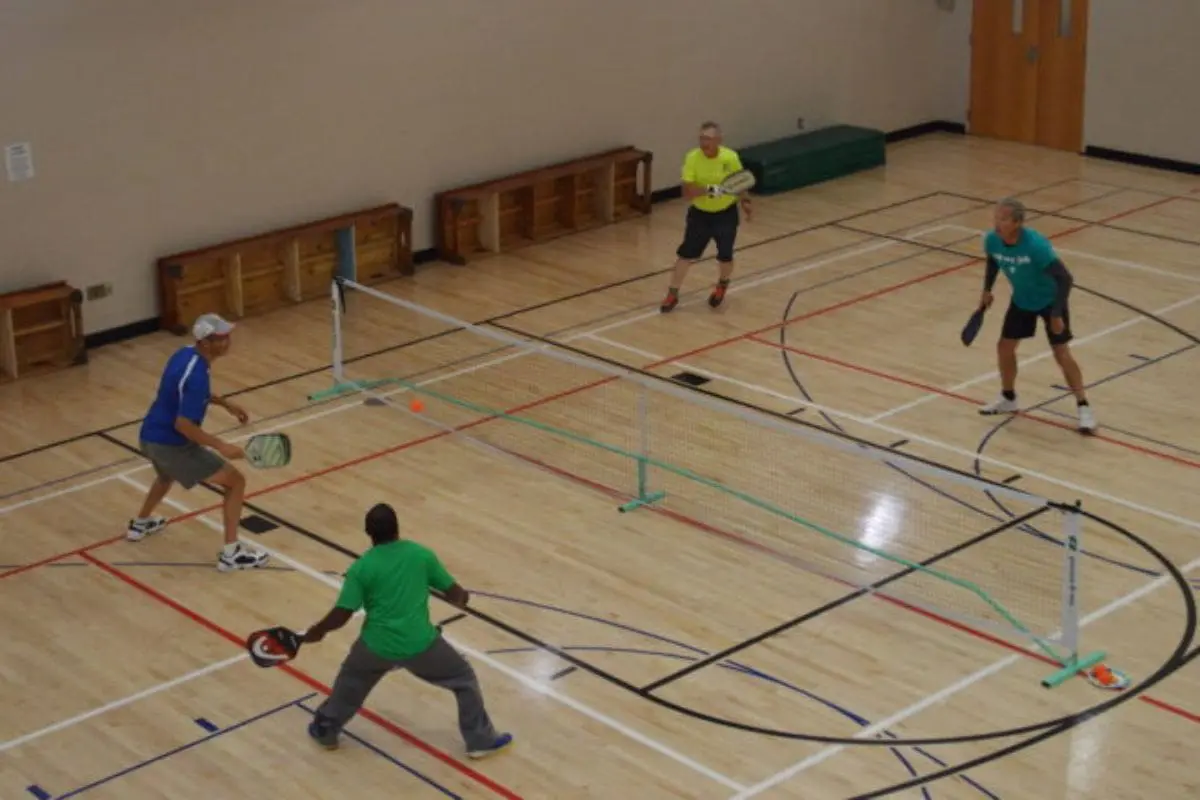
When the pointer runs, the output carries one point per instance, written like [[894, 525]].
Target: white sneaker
[[141, 527], [241, 557], [1001, 406], [1087, 419]]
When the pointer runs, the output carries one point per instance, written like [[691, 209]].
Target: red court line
[[1137, 448], [308, 476], [382, 722], [721, 533], [713, 346], [895, 287]]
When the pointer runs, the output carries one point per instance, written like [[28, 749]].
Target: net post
[[1073, 663], [644, 495], [337, 298]]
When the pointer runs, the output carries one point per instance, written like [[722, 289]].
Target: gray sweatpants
[[440, 665]]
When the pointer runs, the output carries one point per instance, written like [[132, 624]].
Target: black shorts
[[1022, 324], [703, 227]]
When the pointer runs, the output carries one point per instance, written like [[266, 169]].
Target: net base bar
[[349, 387], [645, 497], [1073, 666]]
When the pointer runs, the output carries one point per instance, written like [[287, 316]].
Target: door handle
[[1031, 55]]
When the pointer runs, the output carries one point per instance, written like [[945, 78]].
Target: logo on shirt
[[1010, 263]]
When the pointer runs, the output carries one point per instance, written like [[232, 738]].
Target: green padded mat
[[813, 157]]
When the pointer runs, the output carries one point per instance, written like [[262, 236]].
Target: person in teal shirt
[[391, 583], [1041, 286]]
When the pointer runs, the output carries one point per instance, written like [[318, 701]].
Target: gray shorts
[[186, 464]]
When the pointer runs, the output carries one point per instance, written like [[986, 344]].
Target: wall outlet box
[[98, 291]]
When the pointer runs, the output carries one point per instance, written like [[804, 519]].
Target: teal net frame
[[1063, 646]]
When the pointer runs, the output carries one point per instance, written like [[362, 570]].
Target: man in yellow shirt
[[712, 216]]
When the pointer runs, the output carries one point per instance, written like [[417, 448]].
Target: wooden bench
[[541, 204], [41, 329], [252, 276]]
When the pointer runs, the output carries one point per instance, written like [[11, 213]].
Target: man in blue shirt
[[1040, 287], [173, 438]]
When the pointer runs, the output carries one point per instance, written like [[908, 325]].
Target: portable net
[[834, 505]]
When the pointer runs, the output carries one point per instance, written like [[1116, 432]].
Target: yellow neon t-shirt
[[704, 171]]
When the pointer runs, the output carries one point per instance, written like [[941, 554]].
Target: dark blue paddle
[[974, 324]]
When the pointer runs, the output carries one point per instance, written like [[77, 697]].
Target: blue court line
[[297, 703], [379, 752], [731, 665], [176, 750]]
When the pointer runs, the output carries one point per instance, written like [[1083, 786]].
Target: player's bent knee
[[230, 477]]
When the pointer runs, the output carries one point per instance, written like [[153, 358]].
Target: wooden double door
[[1028, 67]]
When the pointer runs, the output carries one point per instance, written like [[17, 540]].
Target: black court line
[[1099, 224], [1064, 721], [562, 673], [600, 320], [838, 602], [497, 318], [451, 620]]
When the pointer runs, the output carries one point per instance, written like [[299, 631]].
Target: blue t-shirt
[[184, 391], [1026, 265]]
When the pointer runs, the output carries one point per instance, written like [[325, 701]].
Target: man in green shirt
[[391, 582]]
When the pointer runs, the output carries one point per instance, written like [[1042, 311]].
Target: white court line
[[940, 696], [540, 687], [987, 376], [124, 701], [916, 437], [1116, 262], [338, 408]]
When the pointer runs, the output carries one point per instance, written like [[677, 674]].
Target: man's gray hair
[[1016, 209], [709, 125]]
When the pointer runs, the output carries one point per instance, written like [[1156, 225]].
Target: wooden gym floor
[[123, 675]]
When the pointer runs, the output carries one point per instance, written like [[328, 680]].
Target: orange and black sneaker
[[671, 300], [718, 294]]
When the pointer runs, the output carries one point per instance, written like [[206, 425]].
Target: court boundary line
[[800, 266], [93, 559], [383, 722], [242, 724], [947, 394], [499, 317], [874, 211], [130, 699], [542, 688], [913, 437], [925, 702], [1106, 222], [1104, 611]]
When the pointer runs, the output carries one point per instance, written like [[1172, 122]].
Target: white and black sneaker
[[141, 527], [238, 556], [1001, 406]]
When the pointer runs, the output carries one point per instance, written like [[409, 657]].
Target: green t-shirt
[[1025, 265], [700, 169], [391, 582]]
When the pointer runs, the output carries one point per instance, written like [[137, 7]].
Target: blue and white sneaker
[[500, 743], [141, 527]]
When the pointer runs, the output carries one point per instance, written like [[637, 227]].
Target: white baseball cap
[[207, 325]]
